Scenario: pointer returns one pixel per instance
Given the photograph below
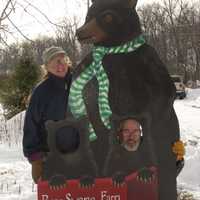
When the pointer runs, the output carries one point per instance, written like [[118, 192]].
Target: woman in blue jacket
[[48, 102]]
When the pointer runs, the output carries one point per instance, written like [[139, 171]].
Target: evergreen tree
[[16, 88]]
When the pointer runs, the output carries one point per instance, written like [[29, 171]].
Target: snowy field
[[188, 112], [15, 179]]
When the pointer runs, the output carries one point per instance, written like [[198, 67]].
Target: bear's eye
[[108, 18]]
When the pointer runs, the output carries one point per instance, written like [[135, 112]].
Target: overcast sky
[[35, 24]]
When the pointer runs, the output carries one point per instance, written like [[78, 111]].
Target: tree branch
[[42, 13], [19, 30], [4, 11]]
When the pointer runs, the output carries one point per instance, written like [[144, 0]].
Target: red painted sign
[[103, 190], [139, 190]]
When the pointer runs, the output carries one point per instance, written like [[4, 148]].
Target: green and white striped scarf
[[76, 101]]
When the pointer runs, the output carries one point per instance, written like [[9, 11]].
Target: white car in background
[[180, 87]]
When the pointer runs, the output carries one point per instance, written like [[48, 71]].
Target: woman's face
[[58, 65]]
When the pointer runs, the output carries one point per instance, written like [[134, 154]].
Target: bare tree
[[193, 32], [10, 7], [172, 26], [66, 37], [154, 23], [6, 9]]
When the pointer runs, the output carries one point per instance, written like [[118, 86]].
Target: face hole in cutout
[[129, 134], [67, 139]]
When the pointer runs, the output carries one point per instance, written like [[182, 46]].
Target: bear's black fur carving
[[139, 83], [70, 158]]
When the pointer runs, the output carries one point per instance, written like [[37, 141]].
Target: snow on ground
[[15, 180], [188, 112], [15, 171]]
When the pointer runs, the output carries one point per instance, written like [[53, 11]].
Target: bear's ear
[[133, 3]]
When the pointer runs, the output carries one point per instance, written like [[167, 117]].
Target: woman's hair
[[44, 68]]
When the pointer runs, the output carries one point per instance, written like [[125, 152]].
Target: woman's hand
[[36, 170]]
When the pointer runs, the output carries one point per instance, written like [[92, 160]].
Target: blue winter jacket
[[48, 102]]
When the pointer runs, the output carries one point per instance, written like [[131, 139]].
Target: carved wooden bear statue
[[124, 76]]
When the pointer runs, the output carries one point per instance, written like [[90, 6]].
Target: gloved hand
[[179, 149], [36, 170]]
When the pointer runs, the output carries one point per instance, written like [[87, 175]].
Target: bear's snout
[[90, 32]]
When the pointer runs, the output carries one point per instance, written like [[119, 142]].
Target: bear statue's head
[[110, 22]]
